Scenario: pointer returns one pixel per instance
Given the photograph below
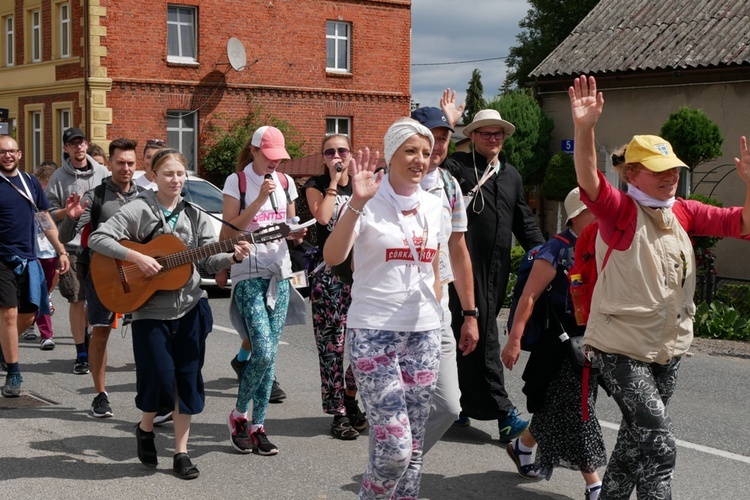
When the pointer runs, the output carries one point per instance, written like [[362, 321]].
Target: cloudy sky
[[446, 31]]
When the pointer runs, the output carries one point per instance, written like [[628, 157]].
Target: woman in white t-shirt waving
[[393, 324], [260, 283]]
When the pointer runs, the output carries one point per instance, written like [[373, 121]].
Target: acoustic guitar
[[122, 287]]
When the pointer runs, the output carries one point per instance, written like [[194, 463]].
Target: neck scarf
[[648, 201], [401, 203]]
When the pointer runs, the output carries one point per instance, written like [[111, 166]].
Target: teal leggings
[[263, 328]]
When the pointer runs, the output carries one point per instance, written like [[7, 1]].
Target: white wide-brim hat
[[489, 118], [573, 204]]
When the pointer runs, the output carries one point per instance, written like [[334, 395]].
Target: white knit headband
[[399, 132]]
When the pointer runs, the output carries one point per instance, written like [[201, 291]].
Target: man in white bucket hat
[[496, 210]]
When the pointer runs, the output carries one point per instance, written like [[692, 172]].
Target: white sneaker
[[47, 344]]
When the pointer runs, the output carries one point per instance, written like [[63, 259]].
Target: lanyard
[[26, 193]]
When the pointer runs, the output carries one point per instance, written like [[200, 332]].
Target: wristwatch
[[471, 312]]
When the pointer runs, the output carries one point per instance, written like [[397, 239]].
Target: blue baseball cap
[[431, 117]]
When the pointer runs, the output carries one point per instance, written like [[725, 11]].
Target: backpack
[[283, 180], [448, 186], [540, 316]]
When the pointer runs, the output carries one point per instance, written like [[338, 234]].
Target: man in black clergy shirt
[[496, 210]]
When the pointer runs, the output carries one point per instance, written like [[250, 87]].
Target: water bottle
[[581, 304]]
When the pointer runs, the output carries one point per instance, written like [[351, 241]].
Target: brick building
[[156, 69]]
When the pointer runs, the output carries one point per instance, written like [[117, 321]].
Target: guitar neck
[[195, 254]]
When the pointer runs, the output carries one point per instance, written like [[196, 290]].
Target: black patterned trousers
[[645, 454]]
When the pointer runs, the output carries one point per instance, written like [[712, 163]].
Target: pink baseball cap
[[270, 140]]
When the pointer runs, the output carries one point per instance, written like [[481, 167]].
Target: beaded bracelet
[[356, 211]]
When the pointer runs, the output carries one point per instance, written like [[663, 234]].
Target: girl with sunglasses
[[330, 296]]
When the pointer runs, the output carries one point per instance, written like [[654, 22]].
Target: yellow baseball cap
[[652, 152]]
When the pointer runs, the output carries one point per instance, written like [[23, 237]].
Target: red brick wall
[[289, 80]]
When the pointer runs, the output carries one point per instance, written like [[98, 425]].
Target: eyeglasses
[[497, 135], [331, 152], [76, 144], [155, 142], [12, 152]]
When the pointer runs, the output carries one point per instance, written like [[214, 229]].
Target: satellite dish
[[236, 54]]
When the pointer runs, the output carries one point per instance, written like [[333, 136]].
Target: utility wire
[[461, 62]]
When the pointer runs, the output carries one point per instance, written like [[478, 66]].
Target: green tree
[[694, 137], [559, 180], [224, 145], [474, 97], [546, 25], [527, 149]]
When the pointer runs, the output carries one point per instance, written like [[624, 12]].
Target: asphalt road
[[56, 450]]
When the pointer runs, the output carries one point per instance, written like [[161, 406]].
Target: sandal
[[146, 447], [342, 429], [184, 467], [527, 471]]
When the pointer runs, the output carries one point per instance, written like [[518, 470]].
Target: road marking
[[232, 330], [692, 446]]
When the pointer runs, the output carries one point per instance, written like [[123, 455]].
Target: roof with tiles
[[623, 36]]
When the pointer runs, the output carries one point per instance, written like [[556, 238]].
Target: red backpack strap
[[242, 182]]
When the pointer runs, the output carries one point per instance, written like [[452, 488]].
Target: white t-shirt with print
[[266, 258], [387, 293]]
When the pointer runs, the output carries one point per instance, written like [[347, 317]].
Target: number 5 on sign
[[567, 146]]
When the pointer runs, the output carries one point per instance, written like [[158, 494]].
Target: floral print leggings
[[330, 300], [263, 327], [396, 373], [645, 453]]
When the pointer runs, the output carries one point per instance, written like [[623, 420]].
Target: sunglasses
[[155, 142], [331, 152]]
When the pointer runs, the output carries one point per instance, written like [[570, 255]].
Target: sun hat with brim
[[652, 152], [489, 118], [573, 204], [270, 140]]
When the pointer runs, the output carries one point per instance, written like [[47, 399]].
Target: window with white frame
[[338, 125], [338, 46], [182, 34], [36, 131], [182, 134], [10, 41], [64, 30], [36, 35], [64, 119]]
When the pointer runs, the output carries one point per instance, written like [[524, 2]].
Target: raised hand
[[743, 162], [365, 182], [73, 207], [448, 105], [585, 103]]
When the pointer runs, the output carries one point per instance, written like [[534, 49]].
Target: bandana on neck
[[648, 201], [402, 203]]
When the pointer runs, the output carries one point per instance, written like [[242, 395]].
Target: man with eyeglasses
[[78, 173], [496, 210], [149, 150], [23, 290]]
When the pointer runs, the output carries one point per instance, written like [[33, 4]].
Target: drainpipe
[[86, 71]]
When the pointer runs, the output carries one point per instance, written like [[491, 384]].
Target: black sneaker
[[261, 443], [162, 416], [357, 418], [238, 435], [100, 407], [277, 393], [238, 366], [12, 387], [82, 365]]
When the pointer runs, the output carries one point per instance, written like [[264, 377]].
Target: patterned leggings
[[645, 454], [263, 328], [330, 301], [396, 373]]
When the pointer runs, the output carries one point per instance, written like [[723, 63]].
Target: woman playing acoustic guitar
[[170, 330]]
